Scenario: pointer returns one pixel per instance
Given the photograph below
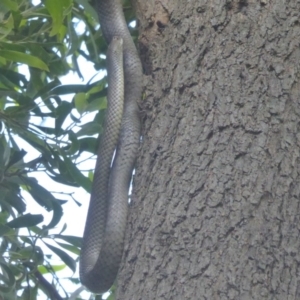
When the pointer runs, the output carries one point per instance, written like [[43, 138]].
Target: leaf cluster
[[44, 41]]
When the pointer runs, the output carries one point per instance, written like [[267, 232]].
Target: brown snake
[[103, 239]]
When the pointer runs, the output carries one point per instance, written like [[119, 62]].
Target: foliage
[[44, 37]]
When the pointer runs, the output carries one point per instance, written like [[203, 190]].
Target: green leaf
[[16, 157], [70, 248], [9, 23], [27, 220], [80, 102], [55, 8], [10, 4], [57, 214], [24, 58], [97, 104], [44, 270], [73, 240], [7, 278], [37, 143], [4, 153], [11, 198], [88, 144], [4, 215], [62, 112], [7, 83], [62, 179], [90, 128], [64, 173], [15, 77], [76, 174], [66, 258], [5, 230], [69, 89], [42, 196]]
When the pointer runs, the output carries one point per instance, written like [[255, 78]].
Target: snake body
[[103, 239]]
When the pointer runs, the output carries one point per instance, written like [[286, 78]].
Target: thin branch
[[53, 293]]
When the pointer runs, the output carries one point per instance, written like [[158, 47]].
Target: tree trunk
[[215, 206]]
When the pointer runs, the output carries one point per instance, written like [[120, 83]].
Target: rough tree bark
[[215, 206]]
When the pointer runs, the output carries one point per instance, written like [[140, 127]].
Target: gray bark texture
[[215, 208]]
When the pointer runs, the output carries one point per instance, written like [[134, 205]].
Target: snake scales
[[104, 232]]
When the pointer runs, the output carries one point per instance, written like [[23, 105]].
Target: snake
[[104, 233]]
